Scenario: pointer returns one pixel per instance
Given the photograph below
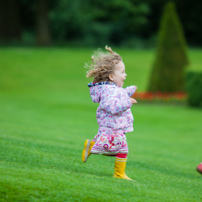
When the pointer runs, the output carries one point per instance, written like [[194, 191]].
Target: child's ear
[[111, 77]]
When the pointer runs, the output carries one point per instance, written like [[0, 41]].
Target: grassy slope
[[46, 114]]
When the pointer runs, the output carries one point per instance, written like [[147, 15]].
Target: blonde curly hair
[[102, 65]]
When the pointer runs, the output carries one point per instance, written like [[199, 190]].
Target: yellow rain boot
[[86, 151], [119, 167]]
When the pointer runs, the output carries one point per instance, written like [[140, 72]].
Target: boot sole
[[86, 145], [122, 177]]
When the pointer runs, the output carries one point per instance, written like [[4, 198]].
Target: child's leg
[[120, 165], [199, 168], [86, 151]]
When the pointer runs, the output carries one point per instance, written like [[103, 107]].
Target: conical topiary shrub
[[168, 72]]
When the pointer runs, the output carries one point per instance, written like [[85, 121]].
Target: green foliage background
[[122, 23], [193, 88]]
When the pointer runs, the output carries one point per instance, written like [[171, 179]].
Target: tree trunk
[[42, 23], [10, 25]]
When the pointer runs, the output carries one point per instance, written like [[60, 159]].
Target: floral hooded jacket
[[114, 113]]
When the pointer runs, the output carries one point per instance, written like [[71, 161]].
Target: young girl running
[[114, 115]]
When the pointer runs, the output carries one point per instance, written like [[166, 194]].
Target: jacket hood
[[96, 90]]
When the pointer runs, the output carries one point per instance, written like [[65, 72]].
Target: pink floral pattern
[[114, 117], [110, 143]]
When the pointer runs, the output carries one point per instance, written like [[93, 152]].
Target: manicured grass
[[46, 114], [49, 69]]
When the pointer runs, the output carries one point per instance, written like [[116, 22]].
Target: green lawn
[[46, 114]]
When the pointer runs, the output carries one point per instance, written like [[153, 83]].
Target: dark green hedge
[[194, 88]]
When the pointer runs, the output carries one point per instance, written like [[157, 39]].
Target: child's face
[[119, 74]]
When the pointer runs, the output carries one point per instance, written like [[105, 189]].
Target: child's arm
[[130, 90]]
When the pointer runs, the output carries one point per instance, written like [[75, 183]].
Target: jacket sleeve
[[116, 102], [130, 90]]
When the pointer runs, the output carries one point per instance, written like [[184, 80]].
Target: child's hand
[[135, 87], [133, 101]]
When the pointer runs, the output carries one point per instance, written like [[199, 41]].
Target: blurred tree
[[171, 59], [93, 22], [96, 21], [190, 15], [43, 34], [188, 12], [10, 24]]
